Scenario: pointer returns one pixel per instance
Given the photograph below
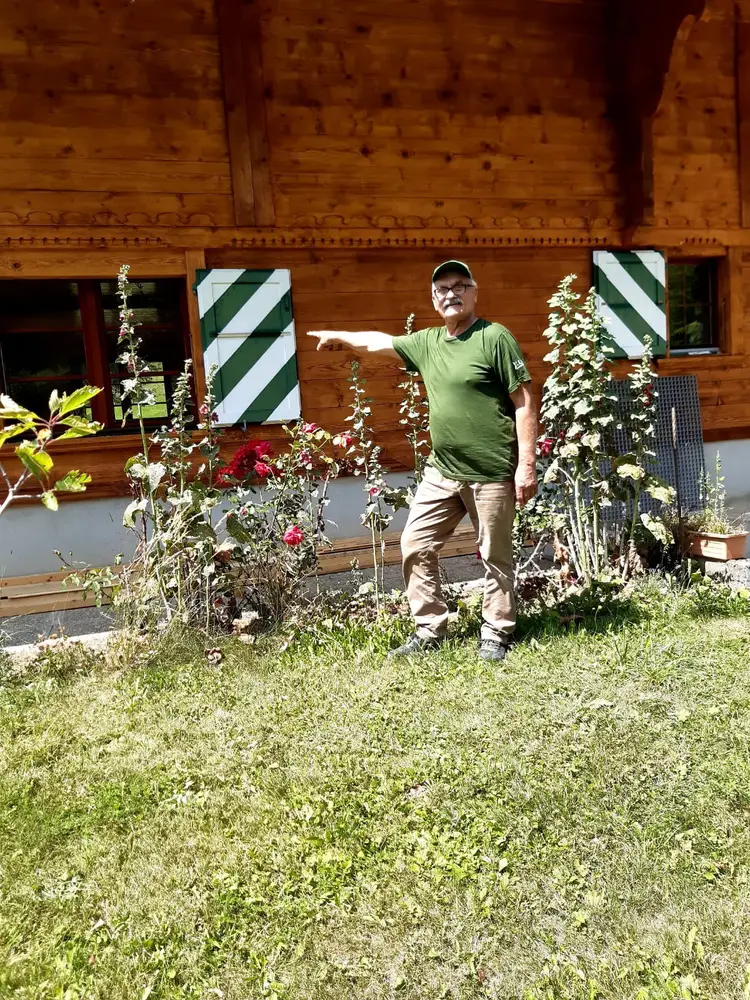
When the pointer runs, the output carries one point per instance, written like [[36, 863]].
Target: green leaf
[[78, 398], [73, 482], [49, 499], [10, 410], [128, 517], [236, 530], [660, 490], [38, 463], [629, 471], [13, 431], [657, 528], [78, 427]]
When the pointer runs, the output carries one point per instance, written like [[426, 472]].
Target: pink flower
[[263, 471], [309, 428], [305, 458], [344, 439], [374, 491], [203, 410], [294, 535]]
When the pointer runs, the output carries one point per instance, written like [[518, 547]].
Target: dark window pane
[[26, 355], [156, 306], [692, 305], [35, 306], [41, 340], [35, 395]]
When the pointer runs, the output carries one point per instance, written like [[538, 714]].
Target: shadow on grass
[[592, 611]]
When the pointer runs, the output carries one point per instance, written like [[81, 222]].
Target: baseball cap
[[452, 265]]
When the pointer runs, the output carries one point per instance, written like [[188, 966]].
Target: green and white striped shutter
[[631, 297], [247, 326]]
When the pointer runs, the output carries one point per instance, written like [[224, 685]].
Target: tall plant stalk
[[414, 410], [134, 396]]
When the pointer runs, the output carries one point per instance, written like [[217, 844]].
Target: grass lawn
[[322, 823]]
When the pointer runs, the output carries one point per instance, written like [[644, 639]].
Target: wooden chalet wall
[[358, 145]]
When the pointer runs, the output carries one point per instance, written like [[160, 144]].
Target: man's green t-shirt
[[469, 380]]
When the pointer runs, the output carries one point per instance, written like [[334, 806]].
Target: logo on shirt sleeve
[[518, 364]]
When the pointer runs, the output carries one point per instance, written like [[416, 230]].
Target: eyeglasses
[[459, 288]]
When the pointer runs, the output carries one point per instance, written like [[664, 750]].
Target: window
[[693, 312], [63, 334]]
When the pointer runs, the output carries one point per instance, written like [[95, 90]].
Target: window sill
[[694, 352]]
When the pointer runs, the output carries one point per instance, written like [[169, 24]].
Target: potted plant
[[711, 533]]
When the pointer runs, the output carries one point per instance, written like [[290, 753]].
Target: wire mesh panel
[[681, 393]]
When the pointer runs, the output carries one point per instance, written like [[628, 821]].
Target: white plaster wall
[[92, 529], [735, 462]]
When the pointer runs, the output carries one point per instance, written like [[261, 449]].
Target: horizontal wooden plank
[[124, 175], [146, 142], [187, 64], [103, 263], [95, 23]]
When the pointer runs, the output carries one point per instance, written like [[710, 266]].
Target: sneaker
[[416, 645], [493, 649]]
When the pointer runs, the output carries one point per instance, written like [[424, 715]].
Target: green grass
[[323, 823]]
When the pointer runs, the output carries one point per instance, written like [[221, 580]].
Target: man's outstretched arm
[[370, 341]]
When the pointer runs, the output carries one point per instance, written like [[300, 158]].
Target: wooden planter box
[[722, 548]]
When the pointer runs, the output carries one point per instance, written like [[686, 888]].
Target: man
[[483, 427]]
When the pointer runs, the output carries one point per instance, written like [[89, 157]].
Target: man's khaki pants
[[437, 509]]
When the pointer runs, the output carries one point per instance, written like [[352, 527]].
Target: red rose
[[294, 535], [263, 471], [545, 447]]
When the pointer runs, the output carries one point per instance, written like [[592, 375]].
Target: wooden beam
[[641, 39], [742, 14], [195, 260], [240, 42]]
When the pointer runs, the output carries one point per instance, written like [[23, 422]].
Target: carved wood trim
[[42, 252]]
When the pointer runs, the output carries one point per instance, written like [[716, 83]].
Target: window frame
[[95, 348], [719, 289], [102, 264]]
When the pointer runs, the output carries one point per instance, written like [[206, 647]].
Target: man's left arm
[[527, 432]]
